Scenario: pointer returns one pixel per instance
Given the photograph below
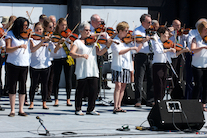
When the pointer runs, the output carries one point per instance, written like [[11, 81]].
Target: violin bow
[[94, 44], [72, 31], [6, 32], [30, 34], [66, 16], [158, 17], [167, 59], [29, 15]]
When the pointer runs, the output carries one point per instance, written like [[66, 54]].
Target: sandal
[[22, 114], [115, 110], [121, 110], [11, 115]]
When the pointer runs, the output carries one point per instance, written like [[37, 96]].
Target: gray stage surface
[[62, 122]]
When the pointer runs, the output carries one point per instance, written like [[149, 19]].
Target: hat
[[5, 20]]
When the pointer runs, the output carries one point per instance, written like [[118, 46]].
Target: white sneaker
[[92, 113], [79, 112]]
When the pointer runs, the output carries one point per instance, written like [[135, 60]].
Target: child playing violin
[[161, 56], [39, 66], [62, 59]]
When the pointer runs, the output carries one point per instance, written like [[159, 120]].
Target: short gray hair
[[199, 21], [83, 25], [142, 18], [154, 22]]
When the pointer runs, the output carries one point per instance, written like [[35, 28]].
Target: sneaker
[[79, 112], [92, 113]]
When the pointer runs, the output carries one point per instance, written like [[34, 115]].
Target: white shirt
[[40, 59], [141, 31], [124, 61], [86, 67], [193, 33], [2, 44], [181, 39], [18, 57], [61, 52], [159, 55], [199, 59]]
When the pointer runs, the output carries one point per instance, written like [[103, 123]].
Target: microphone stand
[[47, 132]]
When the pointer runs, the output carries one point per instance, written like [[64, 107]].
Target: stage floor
[[62, 122]]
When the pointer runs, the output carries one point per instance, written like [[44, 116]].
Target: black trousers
[[90, 83], [143, 66], [159, 80], [178, 65], [189, 76], [58, 65], [50, 80], [36, 75], [17, 73], [200, 79]]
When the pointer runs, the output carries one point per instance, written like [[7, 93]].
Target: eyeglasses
[[87, 30]]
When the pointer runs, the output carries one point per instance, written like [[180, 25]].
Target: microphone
[[37, 117]]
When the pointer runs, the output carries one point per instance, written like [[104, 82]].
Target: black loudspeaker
[[129, 94], [181, 114]]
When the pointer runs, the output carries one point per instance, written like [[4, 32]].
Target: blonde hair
[[202, 25], [122, 26]]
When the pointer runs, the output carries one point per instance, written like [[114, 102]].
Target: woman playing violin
[[17, 63], [48, 30], [161, 56], [39, 66], [62, 60], [121, 64], [199, 64], [86, 69]]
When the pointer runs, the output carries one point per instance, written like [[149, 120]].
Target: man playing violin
[[143, 63], [178, 63], [96, 21]]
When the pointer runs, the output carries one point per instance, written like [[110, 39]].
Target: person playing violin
[[155, 25], [53, 20], [189, 74], [121, 64], [39, 65], [161, 56], [18, 61], [48, 28], [86, 70], [62, 59], [96, 21], [199, 64], [178, 62], [143, 63]]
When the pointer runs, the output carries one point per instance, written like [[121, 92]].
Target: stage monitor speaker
[[129, 94], [181, 114]]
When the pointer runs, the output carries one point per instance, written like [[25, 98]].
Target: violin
[[205, 39], [25, 35], [1, 32], [37, 36], [73, 37], [183, 31], [169, 44], [91, 39], [56, 38], [129, 38], [66, 33]]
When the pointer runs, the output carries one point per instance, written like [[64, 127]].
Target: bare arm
[[34, 48], [10, 49], [73, 53], [194, 47]]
